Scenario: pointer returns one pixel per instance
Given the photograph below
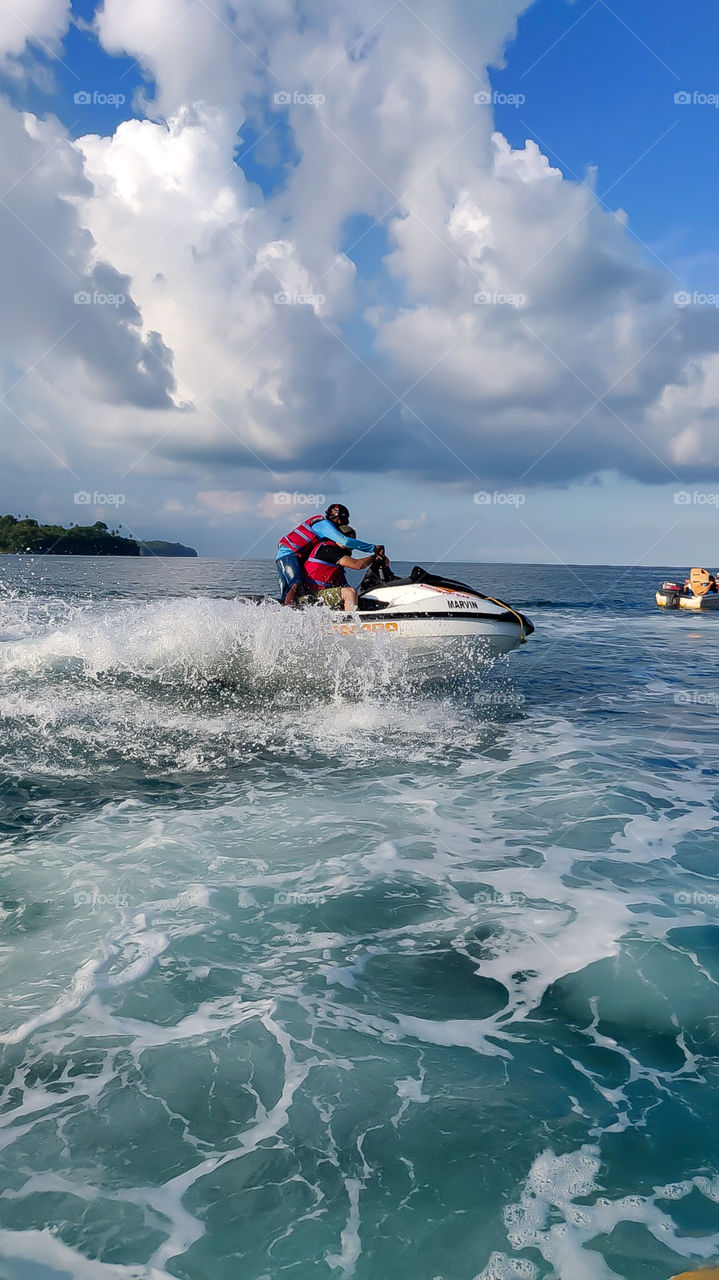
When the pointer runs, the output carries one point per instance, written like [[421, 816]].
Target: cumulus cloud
[[514, 328], [35, 22]]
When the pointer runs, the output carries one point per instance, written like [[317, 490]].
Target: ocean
[[320, 959]]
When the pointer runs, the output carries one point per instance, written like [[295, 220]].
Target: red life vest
[[302, 539], [320, 573]]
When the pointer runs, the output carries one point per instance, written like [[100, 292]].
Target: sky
[[452, 264]]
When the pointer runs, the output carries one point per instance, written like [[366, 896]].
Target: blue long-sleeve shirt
[[329, 532]]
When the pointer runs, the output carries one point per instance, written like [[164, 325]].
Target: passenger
[[324, 574], [294, 548]]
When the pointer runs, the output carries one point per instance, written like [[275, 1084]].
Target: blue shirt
[[329, 532]]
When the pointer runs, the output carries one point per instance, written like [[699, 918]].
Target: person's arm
[[347, 562], [327, 530]]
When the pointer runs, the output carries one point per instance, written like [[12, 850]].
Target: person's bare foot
[[291, 598]]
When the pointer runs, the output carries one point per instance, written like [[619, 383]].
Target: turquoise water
[[322, 960]]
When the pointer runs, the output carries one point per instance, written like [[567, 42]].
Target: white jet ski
[[426, 606]]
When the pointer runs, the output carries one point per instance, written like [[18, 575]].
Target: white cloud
[[200, 370], [38, 22], [411, 524]]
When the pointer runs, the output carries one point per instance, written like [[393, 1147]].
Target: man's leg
[[349, 599], [290, 578]]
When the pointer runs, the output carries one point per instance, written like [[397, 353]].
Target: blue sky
[[351, 400]]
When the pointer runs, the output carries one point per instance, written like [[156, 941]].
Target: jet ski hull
[[494, 635], [425, 607]]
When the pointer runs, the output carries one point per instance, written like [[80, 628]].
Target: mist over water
[[324, 957]]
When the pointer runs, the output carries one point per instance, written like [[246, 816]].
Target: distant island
[[20, 535], [159, 548]]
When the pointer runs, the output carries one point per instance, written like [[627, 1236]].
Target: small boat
[[698, 593]]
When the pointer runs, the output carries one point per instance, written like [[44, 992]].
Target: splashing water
[[328, 957]]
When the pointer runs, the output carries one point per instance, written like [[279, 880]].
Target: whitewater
[[323, 958]]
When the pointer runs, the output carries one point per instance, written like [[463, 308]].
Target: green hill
[[23, 536]]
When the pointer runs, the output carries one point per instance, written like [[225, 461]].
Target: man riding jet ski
[[295, 547]]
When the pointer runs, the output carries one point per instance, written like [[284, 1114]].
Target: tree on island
[[26, 536]]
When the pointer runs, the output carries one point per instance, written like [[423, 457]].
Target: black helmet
[[337, 513]]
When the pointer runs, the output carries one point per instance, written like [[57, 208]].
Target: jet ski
[[427, 606]]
